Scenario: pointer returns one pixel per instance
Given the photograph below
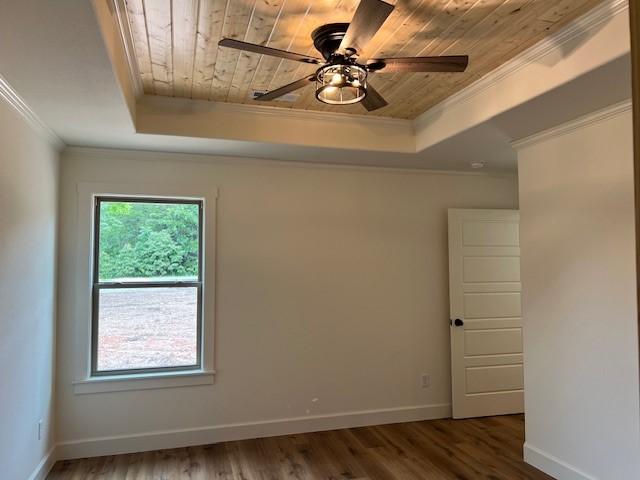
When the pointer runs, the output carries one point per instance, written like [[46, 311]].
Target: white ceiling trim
[[183, 117], [13, 99], [119, 9], [155, 156], [589, 22], [580, 122], [282, 113], [311, 114]]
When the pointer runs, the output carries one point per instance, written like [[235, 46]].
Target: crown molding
[[81, 152], [588, 22], [119, 9], [13, 99], [576, 124], [269, 111], [313, 114]]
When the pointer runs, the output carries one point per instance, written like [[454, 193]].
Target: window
[[147, 285]]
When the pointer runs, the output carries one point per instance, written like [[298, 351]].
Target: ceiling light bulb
[[336, 78]]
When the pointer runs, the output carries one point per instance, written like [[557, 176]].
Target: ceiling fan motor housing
[[327, 38], [342, 81]]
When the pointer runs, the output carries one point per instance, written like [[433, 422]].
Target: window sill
[[148, 381]]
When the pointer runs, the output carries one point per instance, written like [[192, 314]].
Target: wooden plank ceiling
[[176, 45]]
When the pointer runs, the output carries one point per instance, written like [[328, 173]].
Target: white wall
[[580, 313], [28, 214], [332, 285]]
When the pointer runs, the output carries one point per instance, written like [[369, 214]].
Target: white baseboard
[[45, 465], [94, 447], [553, 466]]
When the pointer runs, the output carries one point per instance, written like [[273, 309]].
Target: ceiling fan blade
[[369, 17], [274, 52], [278, 92], [373, 100], [451, 63]]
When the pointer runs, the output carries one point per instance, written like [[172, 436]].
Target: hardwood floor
[[484, 448]]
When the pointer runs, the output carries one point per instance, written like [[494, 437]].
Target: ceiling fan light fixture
[[341, 80], [340, 84]]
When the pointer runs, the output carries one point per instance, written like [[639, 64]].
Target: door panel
[[484, 289], [491, 269], [492, 304], [490, 234], [493, 341], [495, 378]]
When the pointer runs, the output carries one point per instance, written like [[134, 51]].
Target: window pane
[[147, 328], [148, 241]]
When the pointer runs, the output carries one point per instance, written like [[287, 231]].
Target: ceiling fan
[[341, 78]]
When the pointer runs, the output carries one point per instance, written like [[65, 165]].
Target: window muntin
[[147, 285]]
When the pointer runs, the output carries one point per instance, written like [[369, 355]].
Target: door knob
[[458, 323]]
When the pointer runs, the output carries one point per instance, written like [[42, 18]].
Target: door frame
[[634, 17]]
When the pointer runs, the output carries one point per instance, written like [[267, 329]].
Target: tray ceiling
[[176, 45]]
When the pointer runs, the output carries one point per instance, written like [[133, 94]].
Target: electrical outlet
[[40, 429], [426, 380]]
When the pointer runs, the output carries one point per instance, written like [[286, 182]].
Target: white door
[[486, 313]]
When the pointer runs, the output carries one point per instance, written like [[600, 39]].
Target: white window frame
[[84, 381]]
